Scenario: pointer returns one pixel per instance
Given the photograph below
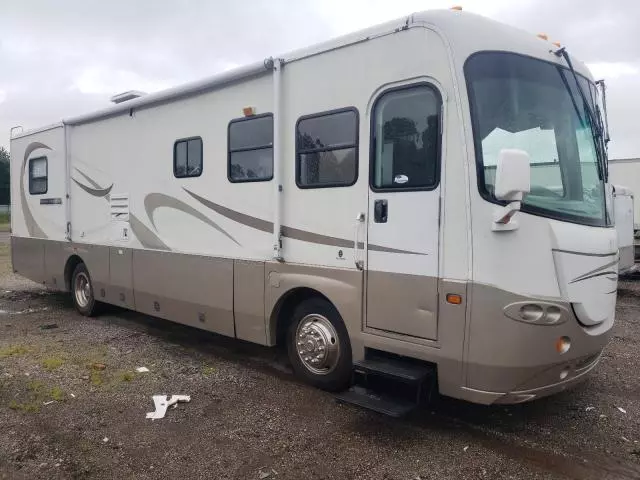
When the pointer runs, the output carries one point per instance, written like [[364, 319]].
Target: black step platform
[[389, 385], [378, 402], [395, 369]]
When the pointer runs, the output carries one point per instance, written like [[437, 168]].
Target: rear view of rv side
[[421, 200]]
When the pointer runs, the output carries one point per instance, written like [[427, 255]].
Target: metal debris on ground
[[142, 369], [162, 404], [48, 326]]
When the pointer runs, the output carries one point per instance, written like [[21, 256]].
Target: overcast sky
[[62, 58]]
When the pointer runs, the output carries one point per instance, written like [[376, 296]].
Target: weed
[[52, 363], [13, 350], [208, 370]]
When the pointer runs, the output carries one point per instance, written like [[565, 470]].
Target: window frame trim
[[250, 149], [479, 156], [356, 146], [46, 163], [373, 145], [186, 139]]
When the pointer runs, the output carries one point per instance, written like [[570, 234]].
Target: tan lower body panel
[[191, 289], [402, 303], [482, 355]]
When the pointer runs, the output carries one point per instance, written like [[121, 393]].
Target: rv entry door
[[403, 220]]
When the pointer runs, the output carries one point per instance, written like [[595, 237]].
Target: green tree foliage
[[5, 197]]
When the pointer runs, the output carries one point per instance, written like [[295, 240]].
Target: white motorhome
[[623, 203], [626, 171], [422, 199]]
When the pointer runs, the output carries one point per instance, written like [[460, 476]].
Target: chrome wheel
[[317, 344], [82, 289]]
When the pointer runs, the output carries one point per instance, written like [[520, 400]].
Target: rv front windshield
[[536, 106]]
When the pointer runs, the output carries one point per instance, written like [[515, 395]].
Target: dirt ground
[[62, 415]]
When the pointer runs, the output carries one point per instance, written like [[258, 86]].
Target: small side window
[[38, 176], [187, 157], [327, 149], [406, 140], [250, 155]]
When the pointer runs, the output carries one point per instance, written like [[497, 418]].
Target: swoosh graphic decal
[[32, 226], [585, 254], [102, 192], [585, 275], [608, 272], [290, 232], [155, 200], [146, 237]]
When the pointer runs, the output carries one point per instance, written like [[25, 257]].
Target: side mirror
[[513, 180], [513, 175]]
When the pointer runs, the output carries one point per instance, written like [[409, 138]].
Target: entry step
[[394, 369], [378, 402]]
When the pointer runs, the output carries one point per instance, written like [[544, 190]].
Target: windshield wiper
[[595, 125]]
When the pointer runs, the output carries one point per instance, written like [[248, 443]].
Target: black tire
[[337, 377], [90, 307]]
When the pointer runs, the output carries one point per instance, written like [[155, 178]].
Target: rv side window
[[406, 140], [38, 176], [250, 154], [187, 157], [327, 149]]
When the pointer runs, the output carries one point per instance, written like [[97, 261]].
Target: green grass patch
[[13, 350], [52, 363], [126, 376], [208, 370]]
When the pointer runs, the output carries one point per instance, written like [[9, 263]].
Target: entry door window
[[406, 140]]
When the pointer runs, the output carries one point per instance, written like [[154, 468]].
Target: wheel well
[[283, 311], [72, 263]]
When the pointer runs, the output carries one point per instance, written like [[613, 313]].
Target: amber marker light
[[456, 7], [454, 298], [563, 344], [248, 111]]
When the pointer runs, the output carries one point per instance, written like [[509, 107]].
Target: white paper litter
[[622, 409], [105, 439], [465, 448], [142, 369], [588, 409], [49, 402], [161, 403], [625, 439]]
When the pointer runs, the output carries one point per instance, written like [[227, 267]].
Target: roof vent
[[130, 95]]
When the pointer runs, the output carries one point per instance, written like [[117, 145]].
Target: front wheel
[[318, 345], [82, 291]]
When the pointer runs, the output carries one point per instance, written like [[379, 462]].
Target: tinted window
[[327, 149], [406, 139], [251, 149], [38, 176], [187, 157]]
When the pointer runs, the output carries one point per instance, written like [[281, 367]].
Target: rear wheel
[[82, 291], [318, 345]]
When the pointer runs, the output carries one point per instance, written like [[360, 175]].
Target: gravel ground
[[250, 419]]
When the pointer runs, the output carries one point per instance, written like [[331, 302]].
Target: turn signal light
[[456, 7], [557, 44], [543, 36], [563, 344], [248, 111], [454, 298]]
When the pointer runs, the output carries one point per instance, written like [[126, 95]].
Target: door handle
[[380, 211], [356, 242]]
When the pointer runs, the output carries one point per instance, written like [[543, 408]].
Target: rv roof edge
[[173, 93]]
